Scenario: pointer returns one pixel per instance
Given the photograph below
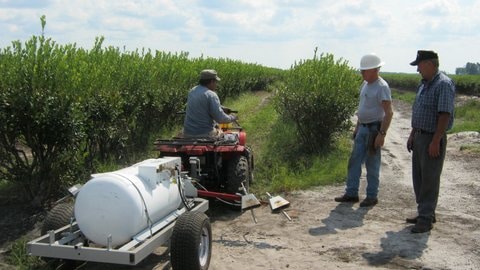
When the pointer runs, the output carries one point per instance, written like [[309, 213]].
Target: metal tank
[[113, 207]]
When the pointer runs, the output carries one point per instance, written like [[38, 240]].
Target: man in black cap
[[204, 109], [432, 116]]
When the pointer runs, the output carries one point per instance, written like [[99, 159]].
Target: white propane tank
[[122, 203]]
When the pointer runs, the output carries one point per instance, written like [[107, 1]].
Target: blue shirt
[[203, 109], [437, 95]]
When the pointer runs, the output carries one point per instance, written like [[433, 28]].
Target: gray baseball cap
[[208, 74]]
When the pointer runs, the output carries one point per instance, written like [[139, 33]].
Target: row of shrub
[[465, 84], [65, 109]]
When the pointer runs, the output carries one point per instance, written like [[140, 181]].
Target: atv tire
[[57, 217], [191, 242], [237, 173]]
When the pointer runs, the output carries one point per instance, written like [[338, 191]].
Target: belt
[[372, 124], [421, 131]]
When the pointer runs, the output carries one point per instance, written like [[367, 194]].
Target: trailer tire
[[57, 217], [191, 242], [238, 173]]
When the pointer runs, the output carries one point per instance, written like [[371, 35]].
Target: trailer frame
[[69, 243]]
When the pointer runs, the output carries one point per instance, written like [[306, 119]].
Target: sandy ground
[[324, 234]]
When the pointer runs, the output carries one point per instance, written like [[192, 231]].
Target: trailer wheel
[[57, 217], [191, 242], [238, 173]]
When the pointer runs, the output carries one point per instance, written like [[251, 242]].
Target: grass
[[18, 256], [467, 116], [280, 166], [406, 96]]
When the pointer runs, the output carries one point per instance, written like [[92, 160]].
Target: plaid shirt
[[437, 95]]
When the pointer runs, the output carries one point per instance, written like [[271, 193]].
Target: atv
[[223, 166]]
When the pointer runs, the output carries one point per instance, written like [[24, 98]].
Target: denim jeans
[[359, 156]]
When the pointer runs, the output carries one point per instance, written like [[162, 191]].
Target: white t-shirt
[[371, 96]]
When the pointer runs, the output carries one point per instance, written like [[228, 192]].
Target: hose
[[184, 198]]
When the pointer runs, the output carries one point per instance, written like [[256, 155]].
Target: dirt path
[[326, 235]]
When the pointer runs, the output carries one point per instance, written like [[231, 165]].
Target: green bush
[[465, 84], [320, 96], [66, 110], [40, 121], [402, 81]]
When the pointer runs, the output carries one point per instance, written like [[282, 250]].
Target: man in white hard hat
[[374, 116], [204, 109]]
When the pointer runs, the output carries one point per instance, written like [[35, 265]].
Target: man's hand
[[410, 140], [226, 110], [434, 150], [379, 141], [410, 143]]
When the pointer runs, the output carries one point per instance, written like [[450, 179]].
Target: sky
[[266, 32]]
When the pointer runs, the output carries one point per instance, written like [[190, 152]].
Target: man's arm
[[442, 124], [387, 119], [217, 113]]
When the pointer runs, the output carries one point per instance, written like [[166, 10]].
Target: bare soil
[[324, 234]]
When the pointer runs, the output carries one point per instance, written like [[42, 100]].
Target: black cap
[[424, 55]]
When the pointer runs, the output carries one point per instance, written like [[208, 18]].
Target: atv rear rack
[[188, 141]]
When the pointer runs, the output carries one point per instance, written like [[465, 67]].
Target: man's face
[[370, 75], [426, 69], [212, 85]]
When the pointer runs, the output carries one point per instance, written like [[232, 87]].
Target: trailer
[[69, 243], [169, 212]]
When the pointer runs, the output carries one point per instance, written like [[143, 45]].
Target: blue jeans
[[359, 156]]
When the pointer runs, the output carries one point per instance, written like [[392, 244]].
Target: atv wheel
[[58, 217], [191, 242], [250, 170], [238, 173]]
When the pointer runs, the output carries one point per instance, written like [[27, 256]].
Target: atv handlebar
[[225, 110], [228, 110]]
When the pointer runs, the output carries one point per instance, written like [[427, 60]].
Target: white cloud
[[271, 33]]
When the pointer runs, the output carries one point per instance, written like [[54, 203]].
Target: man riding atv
[[217, 157], [204, 109]]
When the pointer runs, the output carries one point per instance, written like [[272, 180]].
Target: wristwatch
[[383, 132]]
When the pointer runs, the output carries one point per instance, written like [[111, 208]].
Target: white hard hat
[[370, 61]]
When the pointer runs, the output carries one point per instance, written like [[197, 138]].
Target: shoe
[[421, 228], [346, 198], [414, 220], [369, 202]]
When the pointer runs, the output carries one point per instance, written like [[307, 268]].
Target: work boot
[[415, 219], [369, 202], [421, 227], [346, 198]]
